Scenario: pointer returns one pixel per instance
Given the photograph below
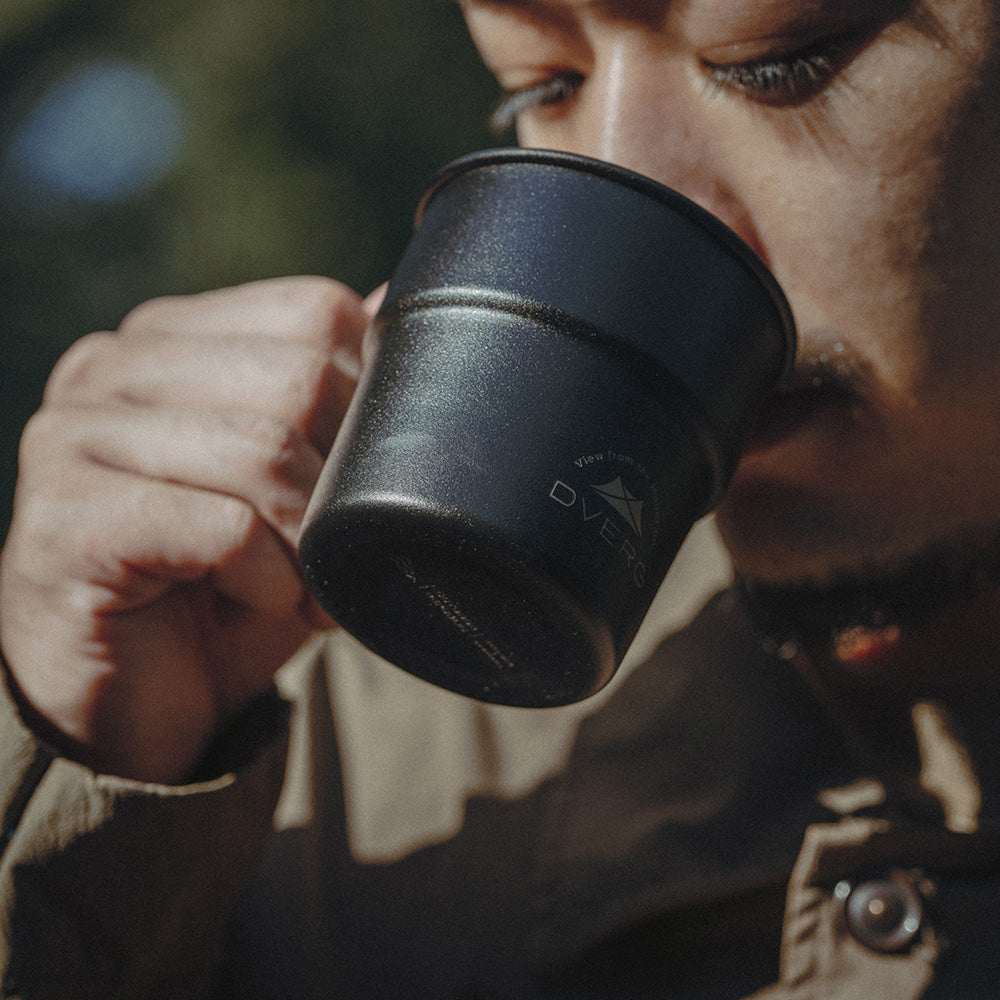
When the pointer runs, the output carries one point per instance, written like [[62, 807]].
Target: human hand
[[149, 588]]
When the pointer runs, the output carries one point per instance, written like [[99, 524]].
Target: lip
[[824, 384], [788, 412]]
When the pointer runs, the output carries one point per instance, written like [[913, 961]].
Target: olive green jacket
[[706, 830]]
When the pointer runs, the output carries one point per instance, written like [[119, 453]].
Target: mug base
[[460, 613]]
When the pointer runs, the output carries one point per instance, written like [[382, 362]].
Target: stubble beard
[[909, 595]]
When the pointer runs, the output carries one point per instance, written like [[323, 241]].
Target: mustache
[[826, 363], [909, 593]]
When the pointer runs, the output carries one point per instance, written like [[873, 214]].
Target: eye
[[546, 93], [789, 78]]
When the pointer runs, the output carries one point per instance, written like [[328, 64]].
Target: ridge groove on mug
[[671, 391]]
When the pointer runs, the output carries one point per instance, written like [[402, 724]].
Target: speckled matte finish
[[558, 384]]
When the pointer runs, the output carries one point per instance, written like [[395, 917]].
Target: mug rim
[[741, 250]]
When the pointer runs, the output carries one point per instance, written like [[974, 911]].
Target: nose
[[640, 108]]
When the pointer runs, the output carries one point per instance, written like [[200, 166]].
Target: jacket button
[[884, 915]]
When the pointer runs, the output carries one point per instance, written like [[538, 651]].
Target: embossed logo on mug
[[616, 513]]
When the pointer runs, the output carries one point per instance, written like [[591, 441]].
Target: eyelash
[[553, 90], [788, 79]]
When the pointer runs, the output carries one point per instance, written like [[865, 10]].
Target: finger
[[308, 309], [107, 540], [127, 642], [263, 462], [292, 383], [373, 301]]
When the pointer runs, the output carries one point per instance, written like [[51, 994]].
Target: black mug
[[558, 385]]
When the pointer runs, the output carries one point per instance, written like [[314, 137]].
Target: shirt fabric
[[709, 829]]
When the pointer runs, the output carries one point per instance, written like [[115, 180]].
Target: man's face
[[855, 144]]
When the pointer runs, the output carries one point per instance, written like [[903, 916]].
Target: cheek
[[871, 222], [848, 252], [965, 251]]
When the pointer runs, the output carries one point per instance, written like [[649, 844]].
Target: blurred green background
[[150, 149]]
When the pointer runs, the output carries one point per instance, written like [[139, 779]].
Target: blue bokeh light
[[101, 133]]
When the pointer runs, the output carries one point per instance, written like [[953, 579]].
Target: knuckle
[[284, 466], [239, 523], [315, 392], [302, 381], [46, 446], [271, 468], [345, 314], [49, 523], [323, 391], [274, 445], [153, 314], [36, 437], [327, 310], [35, 523], [55, 505], [307, 375], [79, 363]]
